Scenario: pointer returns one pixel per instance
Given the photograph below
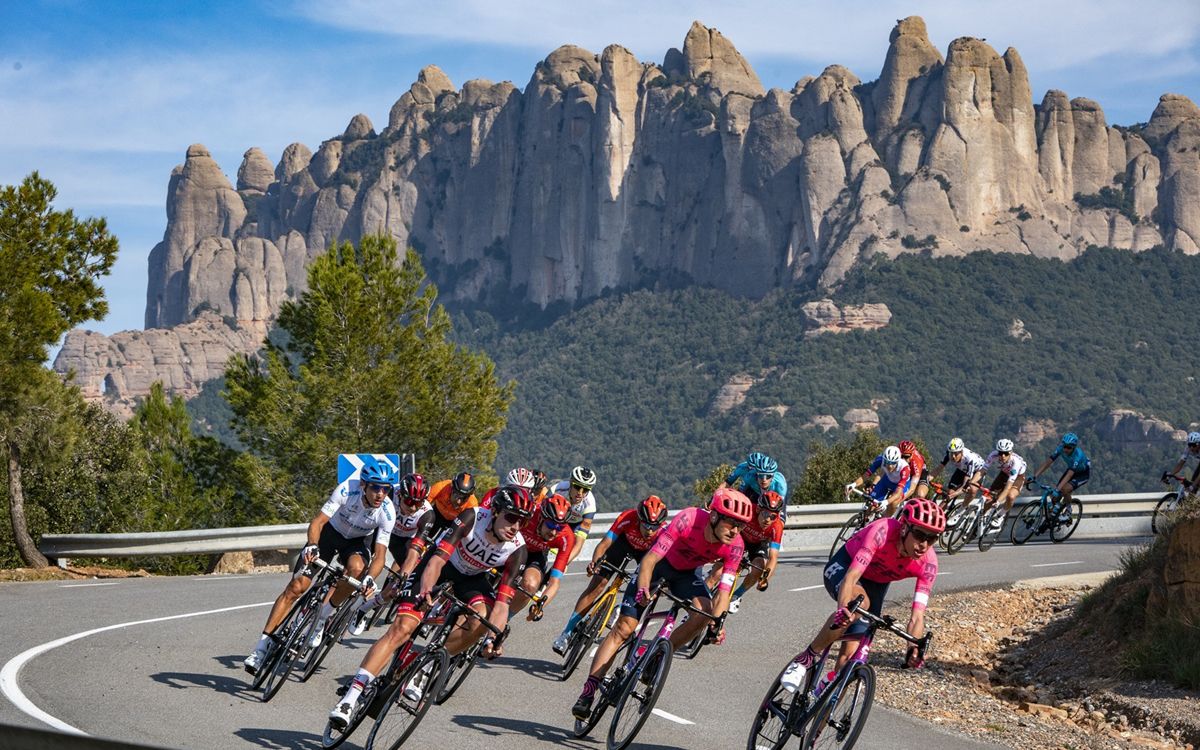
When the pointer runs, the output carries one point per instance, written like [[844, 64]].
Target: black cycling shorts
[[468, 588], [685, 584], [621, 549], [398, 546], [331, 543], [759, 549], [835, 571], [1078, 480]]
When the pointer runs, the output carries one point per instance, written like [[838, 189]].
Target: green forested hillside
[[626, 383]]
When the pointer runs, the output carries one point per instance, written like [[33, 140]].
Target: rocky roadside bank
[[985, 678]]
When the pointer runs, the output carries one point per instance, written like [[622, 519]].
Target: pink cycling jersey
[[875, 554], [683, 546]]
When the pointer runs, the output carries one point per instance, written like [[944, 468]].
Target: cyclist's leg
[[355, 560], [689, 585], [1012, 491], [531, 581], [923, 484]]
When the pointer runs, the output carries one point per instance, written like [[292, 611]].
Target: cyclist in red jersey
[[545, 530], [630, 536], [918, 484], [763, 537]]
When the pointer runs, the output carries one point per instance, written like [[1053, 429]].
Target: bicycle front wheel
[[1066, 522], [456, 674], [289, 652], [402, 713], [989, 529], [841, 711], [1028, 522], [585, 634], [963, 530], [640, 694], [777, 715], [1164, 513], [852, 524]]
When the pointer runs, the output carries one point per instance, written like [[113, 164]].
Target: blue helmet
[[1070, 439], [377, 472], [761, 463]]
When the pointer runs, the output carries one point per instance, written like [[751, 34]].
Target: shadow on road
[[540, 668], [233, 661], [279, 739], [181, 680], [495, 726]]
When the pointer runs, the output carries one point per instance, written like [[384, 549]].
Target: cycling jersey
[[970, 464], [1187, 458], [561, 542], [581, 509], [442, 497], [875, 553], [406, 526], [745, 480], [1076, 461], [629, 526], [916, 465], [897, 477], [1013, 467], [351, 518], [772, 533], [683, 545], [469, 549]]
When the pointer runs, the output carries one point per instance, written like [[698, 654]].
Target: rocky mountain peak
[[435, 80], [256, 173], [360, 127], [708, 55]]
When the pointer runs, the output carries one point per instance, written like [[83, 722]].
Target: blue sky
[[104, 97]]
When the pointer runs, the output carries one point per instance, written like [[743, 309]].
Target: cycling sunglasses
[[1003, 453], [372, 487], [412, 502], [924, 536], [511, 517], [1068, 448], [553, 525], [579, 487]]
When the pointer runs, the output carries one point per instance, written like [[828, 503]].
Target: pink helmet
[[925, 514], [732, 504]]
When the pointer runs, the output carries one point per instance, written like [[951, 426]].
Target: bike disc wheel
[[772, 726], [988, 535], [1061, 531], [853, 524], [456, 674], [1164, 511], [401, 715], [641, 692], [1027, 522], [289, 653], [841, 711]]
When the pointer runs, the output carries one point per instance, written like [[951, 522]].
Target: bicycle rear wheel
[[988, 534], [641, 692], [584, 636], [852, 524], [1062, 527], [777, 715], [401, 715], [841, 711], [1164, 513], [1028, 522], [289, 651]]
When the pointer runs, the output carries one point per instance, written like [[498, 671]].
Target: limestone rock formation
[[1127, 429], [708, 54], [861, 419], [1181, 574], [733, 393], [822, 422], [1033, 431], [1016, 329], [823, 316]]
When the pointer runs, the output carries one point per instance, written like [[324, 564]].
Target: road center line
[[85, 585], [671, 717], [12, 669], [1051, 565], [809, 588]]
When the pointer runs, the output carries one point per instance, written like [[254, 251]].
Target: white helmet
[[1004, 445], [954, 446], [584, 477], [891, 455], [1193, 438], [520, 477]]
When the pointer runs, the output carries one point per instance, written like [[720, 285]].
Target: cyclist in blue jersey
[[1079, 468], [893, 483], [757, 474]]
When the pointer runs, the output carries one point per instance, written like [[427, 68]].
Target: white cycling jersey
[[406, 526], [1014, 467], [350, 518], [970, 463], [475, 554], [579, 509], [1188, 458]]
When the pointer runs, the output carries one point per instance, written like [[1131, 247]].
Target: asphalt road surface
[[178, 682]]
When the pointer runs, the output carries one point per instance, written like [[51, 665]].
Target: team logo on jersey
[[833, 569]]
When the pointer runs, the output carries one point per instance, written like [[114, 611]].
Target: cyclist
[[969, 467], [883, 551], [450, 497], [694, 538], [519, 477], [1009, 478], [895, 476], [412, 503], [578, 489], [1190, 454], [759, 472], [545, 530], [541, 486], [763, 537], [356, 510], [1079, 470], [630, 536], [918, 485], [482, 539]]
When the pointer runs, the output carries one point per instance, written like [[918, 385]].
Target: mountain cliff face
[[610, 173]]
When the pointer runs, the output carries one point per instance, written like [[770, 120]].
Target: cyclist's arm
[[1178, 467], [419, 543], [315, 527], [605, 542], [378, 558], [1045, 465], [507, 588], [916, 623], [445, 548], [924, 587]]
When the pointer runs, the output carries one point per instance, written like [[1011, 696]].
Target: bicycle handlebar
[[681, 603], [887, 622], [605, 565], [444, 591]]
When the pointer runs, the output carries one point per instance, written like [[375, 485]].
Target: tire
[[1163, 513], [1061, 532], [641, 692], [583, 637], [835, 722], [289, 652], [963, 531], [338, 623], [400, 716], [1028, 522], [852, 524], [987, 536], [456, 674], [777, 714]]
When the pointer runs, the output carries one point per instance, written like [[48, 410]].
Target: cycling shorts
[[621, 549], [924, 478], [835, 571], [957, 479], [759, 549], [1078, 480], [685, 584], [539, 561], [468, 588], [331, 544], [1001, 481], [398, 546]]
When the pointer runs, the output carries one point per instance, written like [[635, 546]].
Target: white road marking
[[12, 669], [809, 588], [226, 578], [85, 585], [593, 651], [671, 717], [1051, 565]]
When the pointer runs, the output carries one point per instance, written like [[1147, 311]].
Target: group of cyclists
[[494, 553]]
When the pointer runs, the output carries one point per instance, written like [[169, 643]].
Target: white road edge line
[[12, 669], [1051, 565], [809, 588], [671, 717], [85, 585]]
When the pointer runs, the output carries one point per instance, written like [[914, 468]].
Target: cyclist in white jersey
[[356, 510], [969, 468], [583, 505], [1191, 455], [1010, 478]]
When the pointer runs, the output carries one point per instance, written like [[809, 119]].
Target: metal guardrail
[[62, 547]]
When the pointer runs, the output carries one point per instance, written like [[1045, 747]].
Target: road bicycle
[[633, 688], [1169, 505], [289, 643], [965, 521], [870, 511], [597, 620], [335, 627], [690, 649], [830, 708], [1047, 513]]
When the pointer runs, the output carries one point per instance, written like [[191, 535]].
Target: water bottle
[[821, 683]]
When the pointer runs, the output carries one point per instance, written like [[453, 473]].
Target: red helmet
[[733, 505], [513, 500], [771, 500], [556, 508], [652, 511], [907, 447], [925, 514], [413, 488]]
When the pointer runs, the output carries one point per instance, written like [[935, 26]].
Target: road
[[178, 682]]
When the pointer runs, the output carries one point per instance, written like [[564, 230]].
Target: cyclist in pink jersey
[[883, 551], [694, 538]]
